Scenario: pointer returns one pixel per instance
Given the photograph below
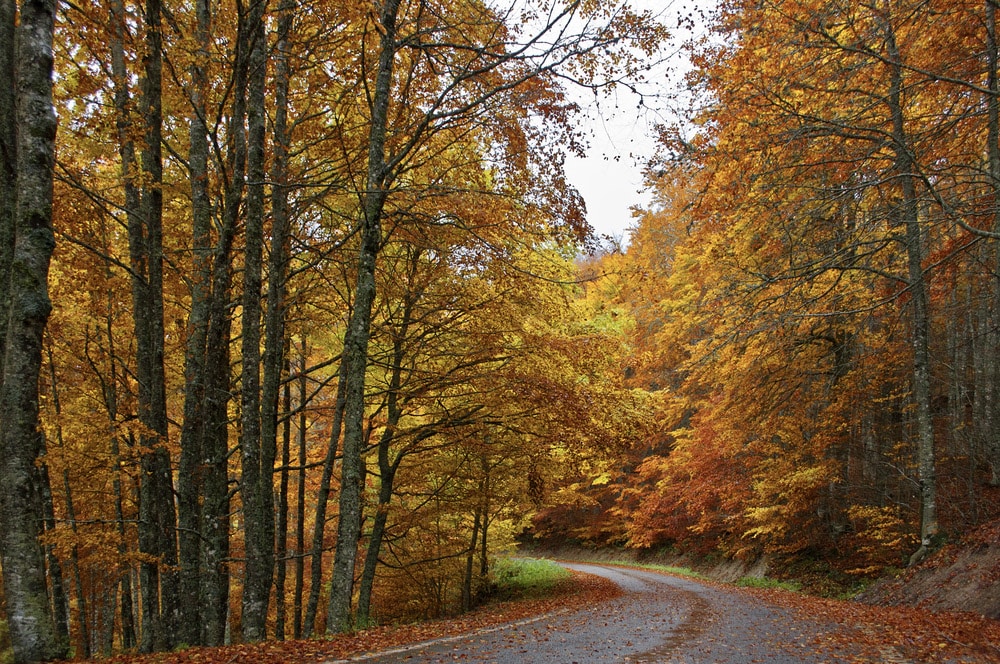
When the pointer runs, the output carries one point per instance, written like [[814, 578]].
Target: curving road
[[659, 618]]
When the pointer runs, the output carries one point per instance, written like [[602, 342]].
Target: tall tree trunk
[[190, 479], [8, 161], [257, 456], [990, 387], [157, 538], [32, 631], [215, 439], [355, 360], [909, 215], [214, 591], [276, 344]]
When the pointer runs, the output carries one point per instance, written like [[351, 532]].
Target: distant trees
[[811, 286]]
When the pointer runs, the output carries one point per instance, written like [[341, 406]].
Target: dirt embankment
[[964, 576]]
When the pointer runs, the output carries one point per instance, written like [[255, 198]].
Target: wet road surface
[[659, 618]]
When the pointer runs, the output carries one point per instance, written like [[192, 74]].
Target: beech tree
[[28, 130]]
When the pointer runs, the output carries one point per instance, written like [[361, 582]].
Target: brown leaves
[[911, 633]]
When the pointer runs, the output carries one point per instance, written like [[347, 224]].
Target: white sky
[[622, 136]]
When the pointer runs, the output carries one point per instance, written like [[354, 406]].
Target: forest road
[[658, 618]]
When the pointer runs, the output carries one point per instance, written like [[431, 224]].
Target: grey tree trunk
[[988, 367], [110, 396], [8, 160], [322, 499], [276, 345], [214, 591], [190, 480], [387, 466], [256, 483], [58, 600], [300, 500], [157, 528], [32, 630], [84, 645], [281, 525], [909, 215], [355, 360]]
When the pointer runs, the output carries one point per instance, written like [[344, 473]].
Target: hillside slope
[[964, 576]]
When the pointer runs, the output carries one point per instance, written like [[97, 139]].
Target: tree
[[479, 64], [29, 145]]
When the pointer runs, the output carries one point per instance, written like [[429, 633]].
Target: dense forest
[[812, 301], [302, 322]]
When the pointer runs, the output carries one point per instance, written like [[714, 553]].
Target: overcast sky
[[622, 136]]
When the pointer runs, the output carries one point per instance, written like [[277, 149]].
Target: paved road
[[659, 618]]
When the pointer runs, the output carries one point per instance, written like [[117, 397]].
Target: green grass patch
[[670, 569], [765, 582], [526, 577]]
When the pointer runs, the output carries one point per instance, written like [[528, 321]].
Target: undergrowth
[[526, 577]]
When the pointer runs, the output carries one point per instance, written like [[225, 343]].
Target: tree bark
[[8, 161], [909, 215], [281, 527], [157, 526], [387, 467], [990, 387], [276, 344], [33, 633], [300, 500], [190, 480], [257, 456], [322, 499], [355, 360]]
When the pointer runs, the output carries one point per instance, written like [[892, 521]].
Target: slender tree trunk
[[83, 645], [110, 394], [8, 161], [990, 387], [215, 439], [281, 529], [323, 497], [387, 473], [157, 529], [32, 631], [469, 564], [387, 468], [257, 452], [300, 499], [57, 589], [355, 360], [190, 481], [276, 344], [910, 217]]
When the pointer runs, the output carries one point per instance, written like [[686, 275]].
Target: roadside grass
[[669, 569], [526, 578], [765, 582]]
